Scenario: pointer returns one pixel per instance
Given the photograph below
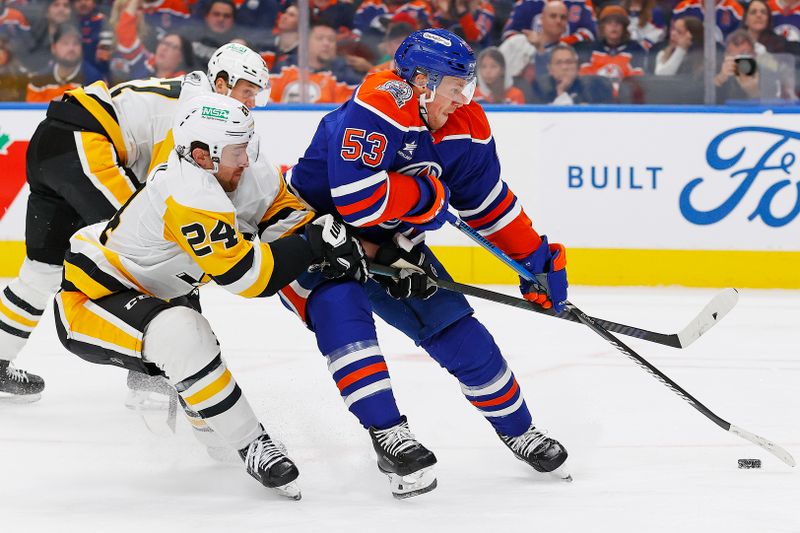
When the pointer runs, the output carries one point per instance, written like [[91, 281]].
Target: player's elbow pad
[[292, 256]]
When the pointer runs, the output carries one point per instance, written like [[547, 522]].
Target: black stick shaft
[[497, 297], [642, 362]]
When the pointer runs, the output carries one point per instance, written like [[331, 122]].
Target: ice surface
[[642, 459]]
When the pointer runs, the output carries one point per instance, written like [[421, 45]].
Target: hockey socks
[[468, 352], [341, 317], [216, 397], [22, 303], [362, 377]]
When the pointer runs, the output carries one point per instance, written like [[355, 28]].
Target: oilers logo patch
[[400, 91]]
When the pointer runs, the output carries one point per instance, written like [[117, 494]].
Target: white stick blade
[[717, 308], [768, 445]]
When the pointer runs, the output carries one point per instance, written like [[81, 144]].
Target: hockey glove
[[431, 212], [415, 269], [337, 253], [548, 264]]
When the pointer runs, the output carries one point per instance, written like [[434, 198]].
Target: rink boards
[[640, 195]]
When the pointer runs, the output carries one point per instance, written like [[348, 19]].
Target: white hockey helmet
[[213, 119], [240, 63]]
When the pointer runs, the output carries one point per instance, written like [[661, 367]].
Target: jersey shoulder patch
[[386, 95]]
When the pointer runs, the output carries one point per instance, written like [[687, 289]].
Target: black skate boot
[[408, 463], [540, 451], [266, 461], [17, 385]]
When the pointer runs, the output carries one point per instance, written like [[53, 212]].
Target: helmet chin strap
[[423, 106]]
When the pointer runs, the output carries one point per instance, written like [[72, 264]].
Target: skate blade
[[290, 490], [411, 485], [561, 473], [146, 401], [20, 398]]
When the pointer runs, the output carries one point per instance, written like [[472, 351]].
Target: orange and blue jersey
[[476, 26], [729, 15], [368, 156], [526, 15], [13, 23], [323, 86], [785, 20], [166, 16], [367, 15], [614, 62]]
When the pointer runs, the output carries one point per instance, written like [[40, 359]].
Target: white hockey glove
[[337, 253], [415, 269]]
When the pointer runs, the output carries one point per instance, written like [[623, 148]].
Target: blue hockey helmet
[[436, 53]]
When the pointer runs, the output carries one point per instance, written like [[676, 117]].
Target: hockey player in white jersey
[[210, 212], [90, 154]]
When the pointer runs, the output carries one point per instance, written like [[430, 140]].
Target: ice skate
[[408, 463], [543, 453], [266, 461], [18, 386]]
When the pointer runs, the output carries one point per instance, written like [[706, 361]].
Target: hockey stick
[[767, 445], [712, 313]]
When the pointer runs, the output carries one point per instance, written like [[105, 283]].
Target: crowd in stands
[[560, 52]]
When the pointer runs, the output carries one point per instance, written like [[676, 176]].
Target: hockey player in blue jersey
[[389, 162]]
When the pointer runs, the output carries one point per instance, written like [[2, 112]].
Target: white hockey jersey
[[137, 115], [183, 229]]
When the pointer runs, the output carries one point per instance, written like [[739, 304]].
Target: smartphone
[[745, 65]]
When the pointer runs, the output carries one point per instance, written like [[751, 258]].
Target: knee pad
[[180, 342], [36, 283]]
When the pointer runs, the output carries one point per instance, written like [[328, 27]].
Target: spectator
[[729, 15], [758, 23], [217, 29], [43, 28], [13, 24], [615, 55], [162, 17], [12, 75], [494, 85], [739, 81], [533, 46], [255, 18], [331, 80], [786, 19], [67, 69], [563, 86], [395, 34], [283, 48], [528, 17], [471, 19], [683, 53], [339, 15], [647, 22], [374, 16], [96, 36], [132, 59]]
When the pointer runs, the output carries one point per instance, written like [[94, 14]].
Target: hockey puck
[[749, 463]]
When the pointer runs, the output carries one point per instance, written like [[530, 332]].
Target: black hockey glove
[[415, 269], [337, 253]]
